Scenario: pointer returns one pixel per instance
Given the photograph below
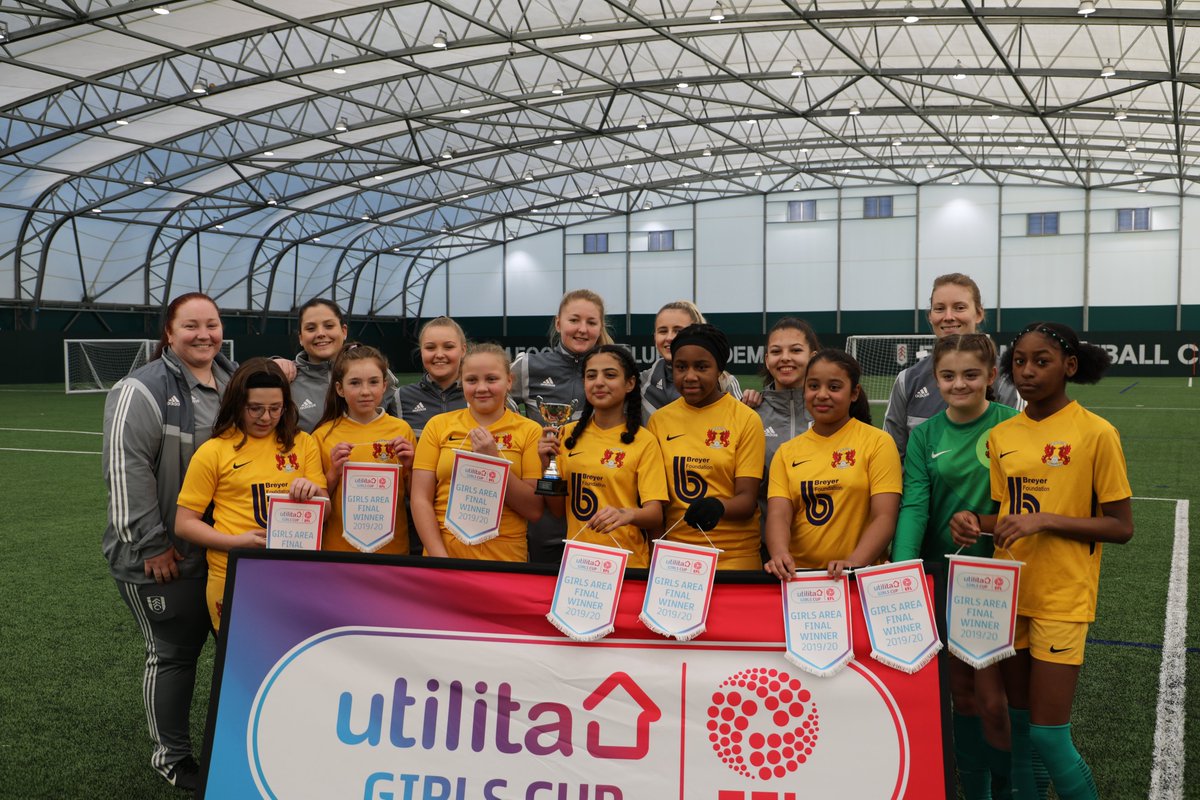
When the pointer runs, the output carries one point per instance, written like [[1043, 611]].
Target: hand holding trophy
[[556, 415]]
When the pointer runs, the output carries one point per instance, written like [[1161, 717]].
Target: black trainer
[[185, 774]]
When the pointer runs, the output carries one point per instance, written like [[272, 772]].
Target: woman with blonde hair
[[658, 386]]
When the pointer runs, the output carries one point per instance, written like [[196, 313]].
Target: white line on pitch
[[1166, 773], [52, 430], [31, 450], [1143, 408]]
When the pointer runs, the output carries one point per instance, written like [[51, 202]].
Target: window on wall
[[1133, 219], [595, 243], [1044, 223], [661, 240], [877, 207], [801, 210]]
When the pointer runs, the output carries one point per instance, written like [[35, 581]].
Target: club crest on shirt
[[843, 459], [382, 451], [288, 463], [503, 441], [613, 459], [717, 437], [1056, 454]]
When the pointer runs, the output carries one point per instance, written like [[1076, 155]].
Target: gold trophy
[[556, 415]]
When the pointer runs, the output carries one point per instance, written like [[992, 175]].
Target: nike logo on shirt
[[939, 453], [239, 466], [676, 436], [798, 463], [1054, 649], [1007, 452], [453, 438], [572, 455]]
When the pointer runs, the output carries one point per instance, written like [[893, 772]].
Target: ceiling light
[[930, 165], [557, 141], [595, 192], [798, 70], [680, 82], [269, 153], [122, 122], [512, 50], [1020, 148], [909, 14], [958, 71], [749, 122], [757, 173], [1119, 115], [993, 116], [395, 249], [463, 196], [98, 210], [316, 238], [364, 216], [629, 166], [956, 181], [1139, 172], [855, 110], [1086, 8], [163, 10], [199, 87], [1040, 170], [148, 180], [558, 87], [1107, 71], [717, 14], [1131, 147], [272, 200], [686, 184], [219, 226], [3, 31], [796, 187], [510, 235], [528, 176], [642, 124], [803, 151], [1142, 189], [464, 111], [897, 143], [444, 229], [341, 125], [584, 35], [439, 41], [447, 153], [339, 70], [707, 152], [647, 205]]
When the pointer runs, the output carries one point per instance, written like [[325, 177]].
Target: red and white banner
[[475, 503], [295, 524], [679, 588], [370, 493], [347, 676], [981, 609], [899, 610]]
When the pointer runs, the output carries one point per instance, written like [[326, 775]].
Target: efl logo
[[762, 723]]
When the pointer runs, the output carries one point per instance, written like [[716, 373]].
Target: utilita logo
[[604, 566], [296, 516], [815, 594], [688, 565], [369, 482], [481, 474], [982, 583], [762, 724], [894, 586]]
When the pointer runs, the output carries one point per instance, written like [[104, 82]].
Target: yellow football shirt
[[237, 482], [603, 471], [830, 481], [370, 447], [517, 438], [1068, 464], [705, 450]]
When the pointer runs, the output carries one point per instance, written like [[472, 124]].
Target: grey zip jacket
[[149, 425], [423, 400], [312, 385], [783, 417], [554, 375], [658, 387]]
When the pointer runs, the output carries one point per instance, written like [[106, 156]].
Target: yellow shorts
[[1051, 640]]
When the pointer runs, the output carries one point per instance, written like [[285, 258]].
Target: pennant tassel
[[686, 636], [904, 666], [480, 539], [981, 663], [826, 672], [368, 548], [571, 633]]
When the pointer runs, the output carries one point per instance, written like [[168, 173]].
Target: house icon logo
[[610, 691]]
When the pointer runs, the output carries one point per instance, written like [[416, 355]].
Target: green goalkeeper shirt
[[945, 471]]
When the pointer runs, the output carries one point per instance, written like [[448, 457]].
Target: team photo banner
[[339, 675]]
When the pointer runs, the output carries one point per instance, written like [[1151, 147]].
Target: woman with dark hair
[[613, 465], [791, 342], [154, 420], [835, 489], [323, 331], [256, 449], [713, 448]]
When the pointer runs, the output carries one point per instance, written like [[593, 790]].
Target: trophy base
[[551, 487]]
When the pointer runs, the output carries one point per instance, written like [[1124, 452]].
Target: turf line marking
[[1166, 773], [1144, 645], [52, 430], [1127, 388], [31, 450], [1143, 408]]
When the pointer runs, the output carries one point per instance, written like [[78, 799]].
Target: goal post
[[95, 365], [883, 357]]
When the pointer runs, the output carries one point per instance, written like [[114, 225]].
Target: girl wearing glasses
[[256, 449]]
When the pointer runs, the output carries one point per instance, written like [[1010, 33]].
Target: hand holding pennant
[[295, 524], [816, 615], [475, 504], [370, 495], [981, 608], [899, 616]]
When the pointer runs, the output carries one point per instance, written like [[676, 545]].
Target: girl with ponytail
[[835, 489], [613, 466]]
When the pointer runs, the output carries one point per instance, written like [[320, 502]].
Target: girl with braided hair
[[613, 465]]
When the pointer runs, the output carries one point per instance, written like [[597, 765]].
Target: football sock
[[1070, 773], [1000, 765], [1024, 787], [973, 771]]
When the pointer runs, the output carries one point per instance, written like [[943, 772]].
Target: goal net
[[883, 357], [94, 365]]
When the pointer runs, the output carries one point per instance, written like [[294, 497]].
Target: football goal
[[94, 365], [883, 357]]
